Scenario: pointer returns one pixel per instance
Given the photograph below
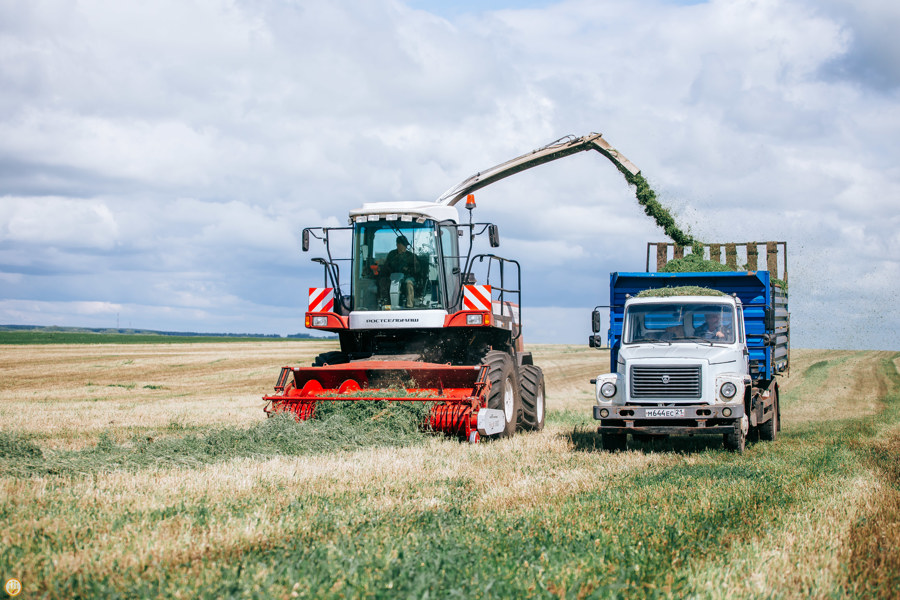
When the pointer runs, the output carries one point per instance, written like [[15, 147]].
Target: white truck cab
[[682, 367]]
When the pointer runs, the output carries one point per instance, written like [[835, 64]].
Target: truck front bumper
[[669, 420]]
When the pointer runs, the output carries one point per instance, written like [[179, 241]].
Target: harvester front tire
[[330, 358], [504, 394], [532, 393]]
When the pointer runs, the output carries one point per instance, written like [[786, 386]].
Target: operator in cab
[[403, 262], [713, 328]]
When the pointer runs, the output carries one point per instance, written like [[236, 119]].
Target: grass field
[[150, 471]]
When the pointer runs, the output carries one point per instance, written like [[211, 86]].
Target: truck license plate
[[664, 412]]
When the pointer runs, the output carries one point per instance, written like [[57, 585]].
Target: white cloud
[[53, 221], [164, 159]]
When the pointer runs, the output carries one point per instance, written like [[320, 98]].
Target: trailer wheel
[[614, 442], [532, 393], [504, 393], [768, 431], [330, 358]]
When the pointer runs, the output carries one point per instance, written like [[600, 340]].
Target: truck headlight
[[319, 321], [608, 390], [728, 390]]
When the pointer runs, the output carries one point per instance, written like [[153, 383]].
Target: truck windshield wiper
[[696, 339], [647, 341]]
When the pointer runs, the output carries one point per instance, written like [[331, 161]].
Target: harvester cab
[[423, 314], [412, 276]]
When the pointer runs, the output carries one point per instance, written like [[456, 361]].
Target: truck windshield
[[395, 266], [679, 322]]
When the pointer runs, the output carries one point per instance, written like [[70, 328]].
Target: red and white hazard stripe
[[321, 299], [477, 297]]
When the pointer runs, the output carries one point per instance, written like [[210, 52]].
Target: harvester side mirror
[[306, 240], [595, 322], [494, 235]]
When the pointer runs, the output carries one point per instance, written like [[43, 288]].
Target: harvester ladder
[[283, 378]]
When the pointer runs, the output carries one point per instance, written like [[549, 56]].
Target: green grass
[[680, 290], [485, 521], [339, 426], [695, 263], [639, 535], [574, 549]]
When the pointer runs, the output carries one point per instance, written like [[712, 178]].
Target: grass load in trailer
[[694, 353]]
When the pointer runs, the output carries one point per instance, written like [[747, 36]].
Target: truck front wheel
[[614, 442], [737, 440]]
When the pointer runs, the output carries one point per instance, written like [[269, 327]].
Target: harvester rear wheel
[[532, 393], [330, 358], [504, 393]]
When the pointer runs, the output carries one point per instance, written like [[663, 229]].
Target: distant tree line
[[53, 328]]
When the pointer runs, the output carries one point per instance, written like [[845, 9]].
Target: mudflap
[[459, 393]]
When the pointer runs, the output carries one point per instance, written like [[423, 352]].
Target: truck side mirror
[[769, 319], [306, 240], [494, 235], [595, 322], [595, 341]]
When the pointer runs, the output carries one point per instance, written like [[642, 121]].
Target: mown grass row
[[339, 426]]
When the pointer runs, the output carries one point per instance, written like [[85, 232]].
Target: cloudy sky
[[159, 159]]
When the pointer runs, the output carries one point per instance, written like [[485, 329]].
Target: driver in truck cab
[[712, 327], [400, 261]]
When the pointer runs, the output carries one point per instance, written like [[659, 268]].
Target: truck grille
[[665, 382]]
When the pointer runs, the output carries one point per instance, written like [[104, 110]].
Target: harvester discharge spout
[[561, 148]]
